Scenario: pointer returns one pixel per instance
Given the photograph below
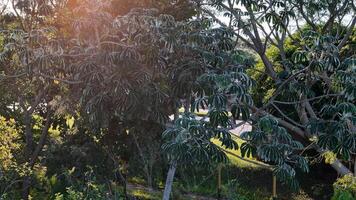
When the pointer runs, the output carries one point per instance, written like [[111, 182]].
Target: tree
[[316, 82], [121, 72], [204, 60], [27, 57], [123, 7], [169, 7], [211, 74], [117, 72]]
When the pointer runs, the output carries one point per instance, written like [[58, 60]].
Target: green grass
[[146, 195], [235, 161]]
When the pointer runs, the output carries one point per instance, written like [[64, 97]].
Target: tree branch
[[347, 35], [310, 99], [42, 140]]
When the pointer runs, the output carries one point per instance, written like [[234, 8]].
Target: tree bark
[[146, 163], [28, 135], [32, 157], [269, 67], [123, 181], [42, 140], [337, 165], [340, 167], [28, 149], [169, 180], [355, 166], [26, 187]]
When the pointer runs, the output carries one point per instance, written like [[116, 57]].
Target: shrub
[[345, 188]]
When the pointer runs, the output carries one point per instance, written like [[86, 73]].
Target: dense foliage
[[96, 93], [311, 85]]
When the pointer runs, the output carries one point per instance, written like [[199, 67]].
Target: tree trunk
[[146, 162], [149, 182], [32, 156], [340, 168], [28, 151], [173, 165], [355, 166], [42, 140], [337, 165], [269, 67], [187, 105], [118, 175], [123, 182], [169, 180], [28, 135], [26, 187]]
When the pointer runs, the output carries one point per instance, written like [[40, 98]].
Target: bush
[[345, 188], [87, 187]]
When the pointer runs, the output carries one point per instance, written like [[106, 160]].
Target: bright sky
[[292, 26]]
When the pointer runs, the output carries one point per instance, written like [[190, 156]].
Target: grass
[[234, 160], [145, 195]]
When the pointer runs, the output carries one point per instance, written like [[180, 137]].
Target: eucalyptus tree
[[317, 81]]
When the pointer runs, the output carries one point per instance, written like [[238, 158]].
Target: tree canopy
[[116, 77]]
